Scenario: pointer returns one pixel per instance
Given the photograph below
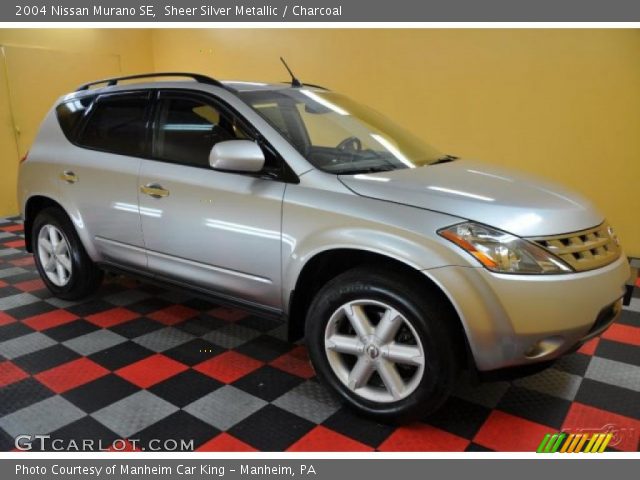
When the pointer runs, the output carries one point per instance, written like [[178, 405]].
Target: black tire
[[431, 317], [85, 277]]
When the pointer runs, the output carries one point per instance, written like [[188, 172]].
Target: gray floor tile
[[134, 413], [17, 300], [231, 336], [29, 343], [552, 382], [11, 271], [94, 342], [163, 339], [614, 373], [225, 407], [41, 418], [309, 400]]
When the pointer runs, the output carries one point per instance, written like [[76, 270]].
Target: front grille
[[584, 250]]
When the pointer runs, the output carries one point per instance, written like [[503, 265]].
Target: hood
[[513, 202]]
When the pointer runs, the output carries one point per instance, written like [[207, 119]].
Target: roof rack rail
[[114, 81]]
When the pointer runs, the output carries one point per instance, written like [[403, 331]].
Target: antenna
[[294, 81]]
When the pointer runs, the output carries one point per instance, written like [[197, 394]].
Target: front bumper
[[515, 320]]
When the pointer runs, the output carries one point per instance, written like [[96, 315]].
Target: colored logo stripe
[[574, 443]]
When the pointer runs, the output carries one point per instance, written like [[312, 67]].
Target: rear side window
[[117, 124], [70, 113]]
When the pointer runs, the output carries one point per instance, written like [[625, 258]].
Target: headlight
[[502, 252]]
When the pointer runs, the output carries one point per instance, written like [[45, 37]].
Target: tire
[[80, 277], [419, 313]]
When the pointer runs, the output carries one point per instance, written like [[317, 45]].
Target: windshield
[[338, 135]]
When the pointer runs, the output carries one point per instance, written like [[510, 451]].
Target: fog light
[[544, 347]]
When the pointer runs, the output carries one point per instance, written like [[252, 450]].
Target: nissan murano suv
[[398, 264]]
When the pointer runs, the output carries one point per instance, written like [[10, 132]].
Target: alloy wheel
[[374, 350]]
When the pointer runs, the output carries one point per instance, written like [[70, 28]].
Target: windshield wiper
[[445, 159], [377, 169]]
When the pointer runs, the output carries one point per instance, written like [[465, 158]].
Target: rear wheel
[[60, 258], [385, 345]]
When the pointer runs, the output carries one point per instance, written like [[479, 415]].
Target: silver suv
[[399, 265]]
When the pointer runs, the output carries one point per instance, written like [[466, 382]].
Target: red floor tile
[[9, 373], [12, 228], [23, 262], [321, 439], [173, 314], [228, 314], [623, 333], [6, 319], [586, 419], [228, 367], [15, 244], [295, 362], [71, 375], [420, 437], [507, 433], [3, 284], [30, 285], [151, 370], [50, 319], [589, 348], [112, 317], [225, 443]]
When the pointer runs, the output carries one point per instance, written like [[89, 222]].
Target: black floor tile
[[45, 359], [121, 355], [21, 394], [610, 398], [185, 388], [535, 406], [104, 391], [178, 432], [271, 429], [268, 383], [359, 428]]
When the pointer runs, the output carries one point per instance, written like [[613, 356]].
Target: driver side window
[[186, 129]]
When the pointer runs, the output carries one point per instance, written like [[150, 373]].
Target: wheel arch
[[37, 203], [327, 264]]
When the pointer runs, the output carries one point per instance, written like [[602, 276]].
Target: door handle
[[69, 177], [154, 190]]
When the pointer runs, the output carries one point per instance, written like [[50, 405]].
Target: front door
[[215, 230]]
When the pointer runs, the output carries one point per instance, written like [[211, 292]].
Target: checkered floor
[[140, 362]]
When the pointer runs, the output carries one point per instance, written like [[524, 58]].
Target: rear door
[[101, 176], [216, 230]]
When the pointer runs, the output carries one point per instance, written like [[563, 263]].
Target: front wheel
[[386, 346]]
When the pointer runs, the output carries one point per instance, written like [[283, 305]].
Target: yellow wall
[[562, 103], [36, 51]]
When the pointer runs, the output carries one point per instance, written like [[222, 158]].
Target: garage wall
[[43, 64], [561, 103]]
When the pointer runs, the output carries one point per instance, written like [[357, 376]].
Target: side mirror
[[236, 156]]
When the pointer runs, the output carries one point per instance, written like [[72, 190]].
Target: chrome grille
[[584, 250]]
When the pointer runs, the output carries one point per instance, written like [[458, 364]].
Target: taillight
[[25, 157]]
